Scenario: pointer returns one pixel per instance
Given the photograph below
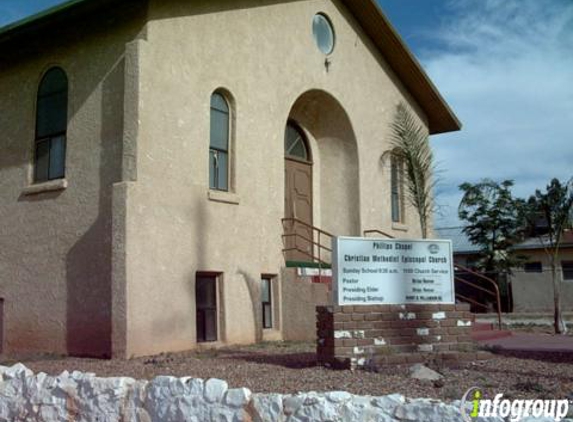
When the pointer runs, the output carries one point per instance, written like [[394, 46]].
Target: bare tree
[[550, 215]]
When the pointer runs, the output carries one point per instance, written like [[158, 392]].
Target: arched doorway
[[298, 193], [321, 174]]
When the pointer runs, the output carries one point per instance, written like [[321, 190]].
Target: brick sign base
[[368, 336]]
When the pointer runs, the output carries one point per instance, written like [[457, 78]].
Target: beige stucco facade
[[105, 262], [56, 246]]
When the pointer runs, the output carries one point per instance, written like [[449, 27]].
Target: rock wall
[[82, 397]]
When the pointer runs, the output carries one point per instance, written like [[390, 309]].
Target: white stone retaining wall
[[82, 397]]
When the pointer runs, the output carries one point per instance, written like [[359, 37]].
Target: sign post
[[369, 271]]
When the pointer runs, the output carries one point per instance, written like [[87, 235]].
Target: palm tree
[[411, 145]]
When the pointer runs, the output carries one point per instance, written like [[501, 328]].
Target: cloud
[[506, 68]]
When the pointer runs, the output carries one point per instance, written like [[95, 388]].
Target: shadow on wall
[[254, 288], [89, 261], [77, 221], [167, 323]]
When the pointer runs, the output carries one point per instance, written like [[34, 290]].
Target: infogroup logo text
[[474, 405]]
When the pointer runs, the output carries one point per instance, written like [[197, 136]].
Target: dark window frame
[[324, 19], [267, 304], [567, 270], [293, 127], [216, 152], [51, 137], [205, 311], [533, 267], [397, 188]]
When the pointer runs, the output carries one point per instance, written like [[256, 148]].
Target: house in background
[[152, 149], [465, 252], [531, 286]]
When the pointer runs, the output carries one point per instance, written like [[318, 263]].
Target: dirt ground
[[292, 368]]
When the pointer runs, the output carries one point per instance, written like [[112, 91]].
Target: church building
[[172, 171]]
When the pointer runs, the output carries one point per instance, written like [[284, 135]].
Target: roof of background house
[[539, 243], [462, 245], [460, 242], [440, 117]]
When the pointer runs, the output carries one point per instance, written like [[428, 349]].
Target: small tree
[[411, 145], [493, 222], [549, 214]]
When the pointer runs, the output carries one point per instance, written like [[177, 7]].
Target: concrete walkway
[[532, 342], [541, 319]]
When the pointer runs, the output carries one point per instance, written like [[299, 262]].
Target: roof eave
[[441, 118]]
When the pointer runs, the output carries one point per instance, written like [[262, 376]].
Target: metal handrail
[[303, 223], [469, 283], [469, 300], [319, 245], [373, 231], [307, 254], [307, 239], [494, 293]]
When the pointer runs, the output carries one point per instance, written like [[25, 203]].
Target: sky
[[506, 69]]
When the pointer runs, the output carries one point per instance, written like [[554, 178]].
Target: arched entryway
[[321, 171]]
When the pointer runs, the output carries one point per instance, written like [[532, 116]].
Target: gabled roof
[[367, 12], [460, 242], [543, 241], [462, 245]]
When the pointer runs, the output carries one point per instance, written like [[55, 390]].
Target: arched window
[[396, 188], [219, 144], [51, 126], [295, 143]]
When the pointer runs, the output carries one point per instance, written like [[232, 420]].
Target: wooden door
[[298, 204], [206, 303]]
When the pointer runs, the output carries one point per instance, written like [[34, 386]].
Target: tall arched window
[[51, 126], [396, 188], [219, 144]]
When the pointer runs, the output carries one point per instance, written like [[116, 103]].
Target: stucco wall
[[56, 247], [533, 292], [263, 54], [300, 297]]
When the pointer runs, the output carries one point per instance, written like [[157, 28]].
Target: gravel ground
[[291, 368]]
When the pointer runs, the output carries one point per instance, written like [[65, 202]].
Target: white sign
[[370, 271]]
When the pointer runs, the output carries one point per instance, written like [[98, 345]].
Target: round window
[[323, 33]]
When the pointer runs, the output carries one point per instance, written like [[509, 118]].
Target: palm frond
[[410, 143]]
